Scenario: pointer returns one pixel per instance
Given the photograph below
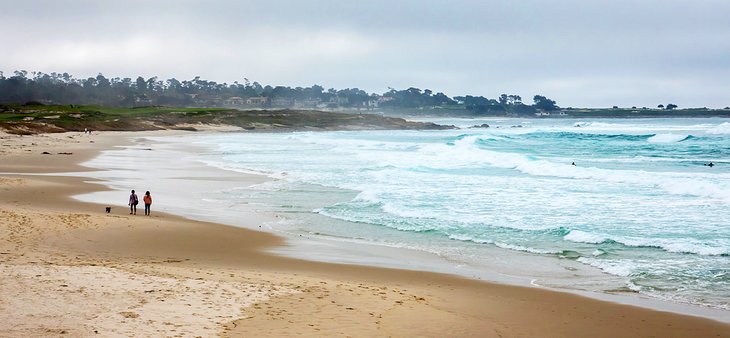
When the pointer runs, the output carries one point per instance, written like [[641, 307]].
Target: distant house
[[383, 99], [235, 101], [142, 101], [309, 103], [542, 114], [282, 102], [257, 100]]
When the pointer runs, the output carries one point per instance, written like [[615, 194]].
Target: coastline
[[505, 266], [294, 296]]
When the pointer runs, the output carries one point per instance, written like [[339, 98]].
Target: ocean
[[608, 205]]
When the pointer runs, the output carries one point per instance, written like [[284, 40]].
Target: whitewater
[[609, 205]]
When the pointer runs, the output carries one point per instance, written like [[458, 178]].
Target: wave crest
[[668, 245], [722, 129], [668, 138]]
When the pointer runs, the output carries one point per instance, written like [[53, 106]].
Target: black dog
[[108, 209]]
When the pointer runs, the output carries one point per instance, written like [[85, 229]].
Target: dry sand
[[68, 269]]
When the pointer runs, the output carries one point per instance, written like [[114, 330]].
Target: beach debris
[[129, 314]]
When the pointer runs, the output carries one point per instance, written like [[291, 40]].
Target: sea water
[[612, 205], [632, 198]]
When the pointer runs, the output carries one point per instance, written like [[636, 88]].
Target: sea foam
[[673, 183], [637, 198], [722, 129], [584, 237]]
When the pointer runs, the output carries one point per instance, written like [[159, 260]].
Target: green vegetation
[[63, 88], [65, 96]]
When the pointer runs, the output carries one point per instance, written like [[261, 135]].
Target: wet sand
[[69, 268]]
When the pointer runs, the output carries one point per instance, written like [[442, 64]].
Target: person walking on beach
[[133, 201], [147, 203]]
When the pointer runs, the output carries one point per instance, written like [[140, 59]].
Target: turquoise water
[[639, 203]]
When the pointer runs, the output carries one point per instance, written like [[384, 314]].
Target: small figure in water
[[572, 163], [710, 165]]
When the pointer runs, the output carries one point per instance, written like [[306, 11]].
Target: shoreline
[[364, 300], [322, 248]]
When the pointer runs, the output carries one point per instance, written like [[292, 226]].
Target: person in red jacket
[[147, 203]]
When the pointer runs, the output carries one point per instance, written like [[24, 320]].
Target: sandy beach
[[70, 269]]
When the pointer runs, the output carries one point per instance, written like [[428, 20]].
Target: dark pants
[[147, 209], [133, 208]]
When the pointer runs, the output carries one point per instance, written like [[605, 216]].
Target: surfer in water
[[710, 164]]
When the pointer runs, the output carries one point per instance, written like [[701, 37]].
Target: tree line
[[62, 88]]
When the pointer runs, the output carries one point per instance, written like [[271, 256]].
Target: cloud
[[579, 52]]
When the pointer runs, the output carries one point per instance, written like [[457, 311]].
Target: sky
[[580, 53]]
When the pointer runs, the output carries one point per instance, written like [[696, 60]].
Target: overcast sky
[[581, 53]]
